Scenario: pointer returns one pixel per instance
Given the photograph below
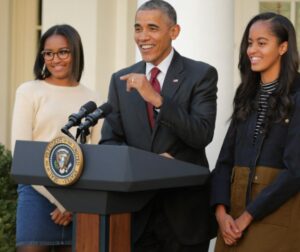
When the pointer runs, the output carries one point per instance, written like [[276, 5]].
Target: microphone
[[75, 118], [93, 118]]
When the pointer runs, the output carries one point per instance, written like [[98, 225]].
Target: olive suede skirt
[[278, 231]]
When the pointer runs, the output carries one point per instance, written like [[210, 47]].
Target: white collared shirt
[[163, 67]]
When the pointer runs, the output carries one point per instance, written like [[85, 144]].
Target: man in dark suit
[[183, 124]]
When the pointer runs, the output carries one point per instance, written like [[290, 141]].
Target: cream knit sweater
[[42, 109]]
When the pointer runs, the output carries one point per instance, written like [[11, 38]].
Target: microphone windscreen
[[106, 108], [89, 107]]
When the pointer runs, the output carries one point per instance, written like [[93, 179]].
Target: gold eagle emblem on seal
[[63, 161]]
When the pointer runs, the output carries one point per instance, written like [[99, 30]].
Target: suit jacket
[[184, 127]]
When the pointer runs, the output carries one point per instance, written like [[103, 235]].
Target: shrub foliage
[[8, 202]]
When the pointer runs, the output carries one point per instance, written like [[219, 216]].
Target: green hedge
[[8, 202]]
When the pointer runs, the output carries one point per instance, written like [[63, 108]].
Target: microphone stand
[[80, 133], [67, 132], [83, 135], [104, 219]]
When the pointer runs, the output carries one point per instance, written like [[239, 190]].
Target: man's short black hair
[[161, 5]]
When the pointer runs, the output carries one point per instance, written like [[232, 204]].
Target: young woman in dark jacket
[[256, 182]]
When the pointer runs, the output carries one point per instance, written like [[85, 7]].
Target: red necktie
[[154, 82]]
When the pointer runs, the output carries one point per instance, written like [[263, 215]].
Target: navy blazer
[[278, 149], [184, 127]]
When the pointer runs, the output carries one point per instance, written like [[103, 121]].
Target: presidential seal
[[63, 161]]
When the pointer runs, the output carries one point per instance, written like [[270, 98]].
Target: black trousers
[[159, 237]]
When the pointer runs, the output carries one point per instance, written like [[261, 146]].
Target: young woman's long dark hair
[[280, 103], [75, 47]]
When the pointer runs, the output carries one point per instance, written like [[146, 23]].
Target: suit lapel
[[172, 82], [140, 104], [174, 77]]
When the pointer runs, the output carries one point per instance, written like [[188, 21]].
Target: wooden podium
[[116, 181]]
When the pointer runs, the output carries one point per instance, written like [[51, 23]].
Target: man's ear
[[175, 30]]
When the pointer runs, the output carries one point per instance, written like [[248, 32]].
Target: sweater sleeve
[[43, 191], [22, 119]]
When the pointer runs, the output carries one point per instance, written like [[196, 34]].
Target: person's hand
[[60, 218], [228, 228], [142, 85], [244, 221], [167, 155]]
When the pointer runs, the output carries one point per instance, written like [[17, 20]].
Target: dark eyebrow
[[149, 25], [262, 38], [62, 48], [153, 26]]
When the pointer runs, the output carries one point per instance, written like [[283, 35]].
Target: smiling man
[[165, 104]]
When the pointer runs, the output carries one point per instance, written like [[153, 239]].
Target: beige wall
[[18, 19], [4, 67]]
